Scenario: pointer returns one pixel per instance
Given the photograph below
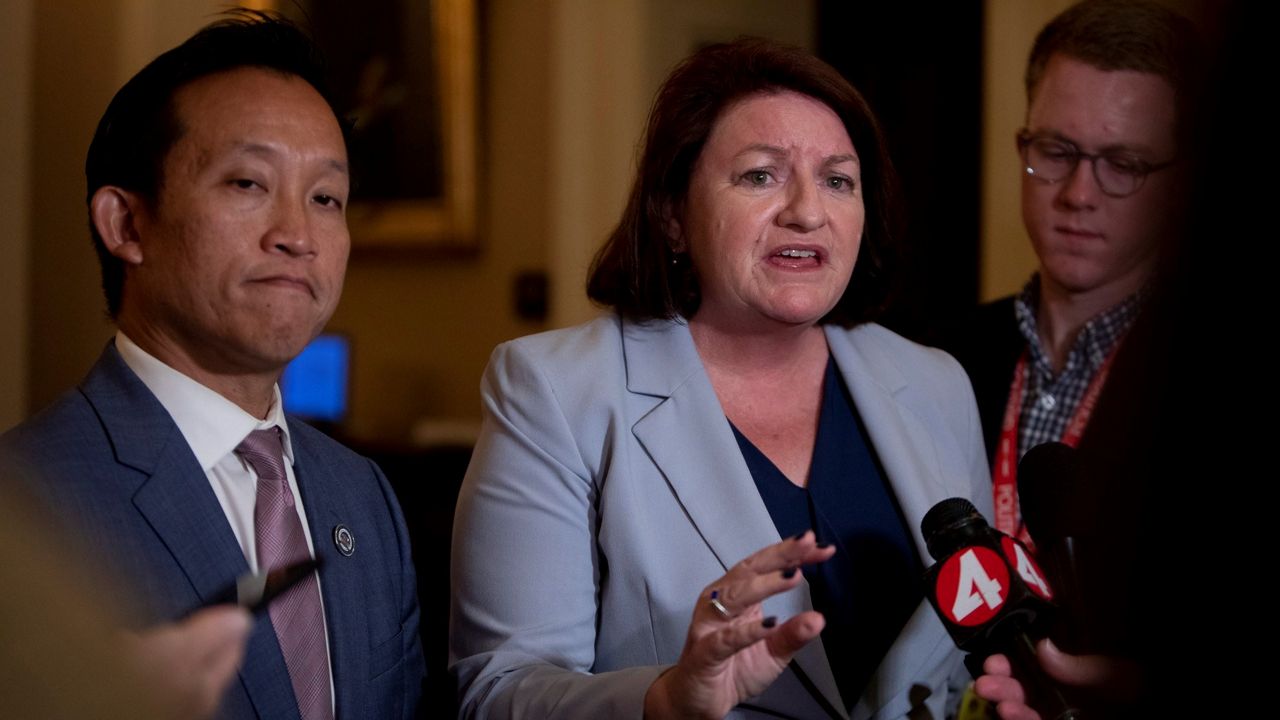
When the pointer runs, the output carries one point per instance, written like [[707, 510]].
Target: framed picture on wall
[[404, 71]]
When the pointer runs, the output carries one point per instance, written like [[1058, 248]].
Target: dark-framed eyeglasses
[[1049, 158]]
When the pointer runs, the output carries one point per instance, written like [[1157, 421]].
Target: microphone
[[1068, 518], [990, 595]]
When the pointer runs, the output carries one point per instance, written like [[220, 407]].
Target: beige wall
[[1006, 256], [15, 127], [566, 85], [424, 326], [74, 75], [675, 28], [598, 102]]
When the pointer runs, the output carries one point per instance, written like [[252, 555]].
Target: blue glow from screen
[[314, 385]]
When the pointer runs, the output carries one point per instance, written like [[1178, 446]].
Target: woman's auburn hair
[[640, 275]]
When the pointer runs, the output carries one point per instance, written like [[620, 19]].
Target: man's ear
[[671, 226], [114, 212]]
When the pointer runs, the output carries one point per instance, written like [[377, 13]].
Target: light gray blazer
[[607, 490]]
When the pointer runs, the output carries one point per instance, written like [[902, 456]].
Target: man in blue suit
[[217, 187]]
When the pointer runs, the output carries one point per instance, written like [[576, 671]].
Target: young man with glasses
[[1103, 157], [1106, 84]]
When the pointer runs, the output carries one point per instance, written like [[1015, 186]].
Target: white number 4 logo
[[975, 587], [1029, 572]]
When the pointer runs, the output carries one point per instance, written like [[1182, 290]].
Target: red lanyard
[[1005, 470]]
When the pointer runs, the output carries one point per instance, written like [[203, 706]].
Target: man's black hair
[[140, 125]]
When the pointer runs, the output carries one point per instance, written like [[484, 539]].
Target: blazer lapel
[[688, 438], [906, 450], [180, 506]]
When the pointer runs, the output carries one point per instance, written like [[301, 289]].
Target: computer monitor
[[315, 385]]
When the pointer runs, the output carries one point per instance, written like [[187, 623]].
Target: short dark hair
[[1120, 35], [140, 124], [638, 273]]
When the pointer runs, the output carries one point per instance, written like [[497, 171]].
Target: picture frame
[[405, 72]]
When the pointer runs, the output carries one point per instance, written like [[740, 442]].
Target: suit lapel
[[325, 497], [688, 438], [906, 450], [180, 506], [176, 498]]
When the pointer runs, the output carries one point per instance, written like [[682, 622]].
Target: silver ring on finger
[[719, 606]]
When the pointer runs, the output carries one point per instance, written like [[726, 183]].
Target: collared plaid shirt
[[1049, 402]]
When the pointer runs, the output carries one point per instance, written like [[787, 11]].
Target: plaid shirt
[[1049, 402]]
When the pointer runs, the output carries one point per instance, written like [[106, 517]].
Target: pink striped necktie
[[296, 615]]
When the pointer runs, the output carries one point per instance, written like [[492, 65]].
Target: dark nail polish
[[770, 621], [715, 594], [800, 536], [788, 573], [824, 545]]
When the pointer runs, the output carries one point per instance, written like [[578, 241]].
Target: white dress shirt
[[213, 427]]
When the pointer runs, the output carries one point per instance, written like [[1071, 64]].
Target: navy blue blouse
[[869, 589]]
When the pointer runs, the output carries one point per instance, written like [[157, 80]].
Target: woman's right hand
[[728, 658]]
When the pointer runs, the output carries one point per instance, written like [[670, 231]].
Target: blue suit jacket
[[607, 491], [113, 465]]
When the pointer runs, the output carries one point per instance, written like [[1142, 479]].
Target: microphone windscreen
[[940, 524], [1054, 502]]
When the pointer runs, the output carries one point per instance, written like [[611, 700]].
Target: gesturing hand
[[732, 651]]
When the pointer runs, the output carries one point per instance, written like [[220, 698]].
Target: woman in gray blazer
[[618, 547]]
